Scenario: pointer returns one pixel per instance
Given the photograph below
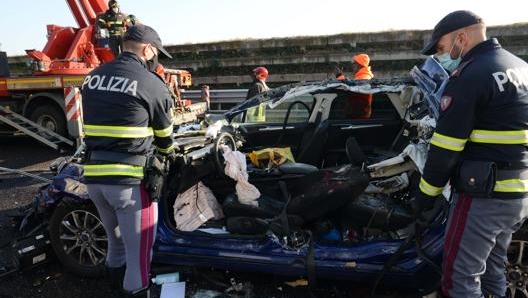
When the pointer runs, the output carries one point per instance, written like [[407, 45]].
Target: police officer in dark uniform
[[115, 23], [479, 144], [127, 108]]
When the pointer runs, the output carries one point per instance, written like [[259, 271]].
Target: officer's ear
[[145, 51], [464, 38]]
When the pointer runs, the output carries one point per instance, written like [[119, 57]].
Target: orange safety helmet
[[362, 59], [260, 73]]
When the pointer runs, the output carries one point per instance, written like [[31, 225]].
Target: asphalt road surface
[[52, 280]]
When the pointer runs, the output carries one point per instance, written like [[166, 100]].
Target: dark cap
[[145, 34], [451, 22]]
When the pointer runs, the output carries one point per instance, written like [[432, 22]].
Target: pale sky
[[23, 22]]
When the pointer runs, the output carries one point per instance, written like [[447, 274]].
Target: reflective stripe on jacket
[[116, 24]]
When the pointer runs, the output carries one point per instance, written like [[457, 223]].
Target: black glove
[[170, 156], [422, 203], [339, 72]]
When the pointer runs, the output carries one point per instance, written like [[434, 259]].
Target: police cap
[[451, 22], [145, 34]]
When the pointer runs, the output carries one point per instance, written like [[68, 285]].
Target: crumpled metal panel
[[275, 96]]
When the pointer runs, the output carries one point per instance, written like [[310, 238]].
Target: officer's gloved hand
[[421, 206], [171, 156], [422, 203]]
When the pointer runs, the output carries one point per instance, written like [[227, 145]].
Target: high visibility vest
[[257, 114]]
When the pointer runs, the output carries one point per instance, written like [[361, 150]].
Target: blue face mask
[[447, 62]]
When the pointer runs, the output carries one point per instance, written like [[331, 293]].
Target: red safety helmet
[[260, 73]]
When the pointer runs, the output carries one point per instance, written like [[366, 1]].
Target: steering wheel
[[287, 116], [226, 139]]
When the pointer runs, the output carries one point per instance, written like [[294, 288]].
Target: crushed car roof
[[275, 96]]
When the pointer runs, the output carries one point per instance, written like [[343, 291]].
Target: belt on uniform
[[119, 157], [511, 165], [505, 174]]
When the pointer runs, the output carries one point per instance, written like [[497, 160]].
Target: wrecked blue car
[[323, 193]]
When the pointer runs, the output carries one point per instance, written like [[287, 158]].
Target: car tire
[[78, 238], [517, 264]]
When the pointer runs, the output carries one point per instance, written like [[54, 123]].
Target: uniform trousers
[[130, 220], [478, 234]]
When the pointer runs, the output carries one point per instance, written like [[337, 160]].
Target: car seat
[[374, 210], [313, 146], [354, 153], [313, 142], [308, 198]]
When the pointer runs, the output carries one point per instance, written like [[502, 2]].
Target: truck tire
[[52, 118], [78, 238]]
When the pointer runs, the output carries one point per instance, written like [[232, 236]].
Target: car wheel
[[517, 265], [78, 238]]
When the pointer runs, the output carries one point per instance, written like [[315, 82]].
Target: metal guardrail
[[221, 100]]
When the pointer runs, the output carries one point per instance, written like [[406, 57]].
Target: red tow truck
[[36, 104]]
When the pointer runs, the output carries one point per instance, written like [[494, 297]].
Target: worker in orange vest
[[359, 105], [361, 67]]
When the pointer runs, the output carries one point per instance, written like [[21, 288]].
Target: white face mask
[[115, 9], [447, 62]]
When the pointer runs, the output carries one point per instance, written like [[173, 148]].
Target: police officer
[[115, 23], [259, 76], [482, 129], [127, 108]]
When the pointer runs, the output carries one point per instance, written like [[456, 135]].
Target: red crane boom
[[72, 50]]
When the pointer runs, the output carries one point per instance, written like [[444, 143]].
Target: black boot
[[145, 293], [115, 276]]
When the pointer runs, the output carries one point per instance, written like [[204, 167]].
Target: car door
[[377, 131], [281, 126]]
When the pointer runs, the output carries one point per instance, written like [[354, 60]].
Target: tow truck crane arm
[[72, 50]]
